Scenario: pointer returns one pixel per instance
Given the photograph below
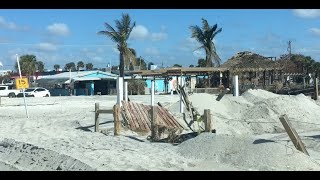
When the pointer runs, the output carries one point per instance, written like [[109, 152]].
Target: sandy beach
[[59, 135]]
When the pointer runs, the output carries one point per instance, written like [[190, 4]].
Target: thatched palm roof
[[248, 61]]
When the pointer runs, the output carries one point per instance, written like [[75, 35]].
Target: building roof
[[79, 74], [248, 61], [63, 78]]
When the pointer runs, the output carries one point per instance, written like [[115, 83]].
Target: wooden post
[[207, 120], [293, 134], [154, 124], [96, 117], [264, 79], [117, 122], [316, 92]]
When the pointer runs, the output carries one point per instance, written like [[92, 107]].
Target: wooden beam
[[207, 120], [96, 117], [117, 122], [105, 111], [154, 124], [293, 134]]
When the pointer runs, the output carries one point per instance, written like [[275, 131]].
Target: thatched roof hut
[[248, 61]]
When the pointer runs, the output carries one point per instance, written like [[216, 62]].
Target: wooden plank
[[165, 118], [133, 114], [207, 120], [129, 114], [172, 118], [96, 117], [142, 123], [132, 118], [293, 134], [105, 111], [117, 122], [126, 114], [144, 117]]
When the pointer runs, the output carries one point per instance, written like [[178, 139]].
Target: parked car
[[35, 92], [7, 91]]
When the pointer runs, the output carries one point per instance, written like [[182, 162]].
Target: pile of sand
[[257, 112], [246, 153], [22, 156]]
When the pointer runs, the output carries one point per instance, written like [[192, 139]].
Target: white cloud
[[10, 25], [159, 36], [189, 45], [152, 51], [198, 54], [139, 32], [46, 47], [307, 13], [315, 31], [58, 29]]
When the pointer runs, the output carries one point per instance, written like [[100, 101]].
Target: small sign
[[22, 83]]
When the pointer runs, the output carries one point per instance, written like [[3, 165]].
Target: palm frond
[[215, 33], [112, 35], [197, 34], [205, 25], [109, 27], [130, 30]]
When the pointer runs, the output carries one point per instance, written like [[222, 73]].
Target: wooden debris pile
[[137, 117]]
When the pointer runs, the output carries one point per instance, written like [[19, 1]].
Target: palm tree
[[89, 66], [205, 36], [120, 35], [40, 66], [70, 65], [27, 65], [80, 64], [56, 67]]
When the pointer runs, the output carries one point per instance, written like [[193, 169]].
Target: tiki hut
[[253, 69]]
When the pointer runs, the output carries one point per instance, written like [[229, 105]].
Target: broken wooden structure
[[137, 118]]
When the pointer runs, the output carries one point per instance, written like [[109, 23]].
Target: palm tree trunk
[[121, 64]]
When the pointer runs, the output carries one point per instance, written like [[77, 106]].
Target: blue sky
[[161, 36]]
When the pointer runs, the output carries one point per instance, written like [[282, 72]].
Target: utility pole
[[289, 50]]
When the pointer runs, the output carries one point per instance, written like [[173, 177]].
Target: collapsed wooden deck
[[137, 117]]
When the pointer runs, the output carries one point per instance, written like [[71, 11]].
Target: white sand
[[63, 127]]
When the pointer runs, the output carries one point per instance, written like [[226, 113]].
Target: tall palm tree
[[40, 66], [205, 36], [80, 64], [70, 65], [56, 67], [120, 35], [89, 66]]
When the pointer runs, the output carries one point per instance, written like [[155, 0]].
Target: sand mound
[[246, 153], [258, 112], [22, 156]]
